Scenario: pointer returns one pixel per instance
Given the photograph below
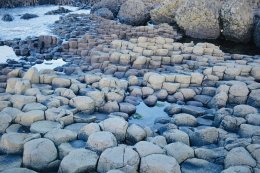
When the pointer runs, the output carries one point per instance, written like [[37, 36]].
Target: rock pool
[[146, 116]]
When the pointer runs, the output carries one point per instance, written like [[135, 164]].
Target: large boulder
[[219, 100], [155, 80], [243, 110], [255, 72], [27, 118], [247, 130], [133, 12], [59, 136], [254, 98], [34, 106], [184, 120], [117, 126], [214, 155], [175, 135], [39, 154], [83, 103], [204, 136], [20, 100], [179, 151], [87, 130], [199, 19], [166, 12], [155, 163], [121, 157], [7, 18], [239, 156], [79, 160], [65, 148], [145, 148], [257, 34], [32, 75], [64, 92], [5, 121], [17, 85], [238, 93], [135, 134], [99, 141], [151, 4], [43, 127], [12, 143], [237, 20], [59, 114], [112, 5]]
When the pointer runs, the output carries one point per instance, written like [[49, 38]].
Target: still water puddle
[[146, 116], [52, 64], [19, 28], [6, 53]]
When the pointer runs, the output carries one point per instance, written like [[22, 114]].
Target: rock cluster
[[79, 117], [189, 16]]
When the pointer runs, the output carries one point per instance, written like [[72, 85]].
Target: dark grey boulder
[[199, 19], [133, 12], [28, 16], [112, 5], [7, 18], [105, 13], [237, 20], [60, 10]]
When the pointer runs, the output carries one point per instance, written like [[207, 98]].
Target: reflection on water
[[6, 53], [145, 116], [50, 64], [20, 28]]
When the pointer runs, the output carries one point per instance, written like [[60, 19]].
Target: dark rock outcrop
[[105, 13], [257, 34], [28, 16], [112, 5], [237, 20], [7, 18], [166, 12], [192, 19], [60, 10], [133, 12]]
